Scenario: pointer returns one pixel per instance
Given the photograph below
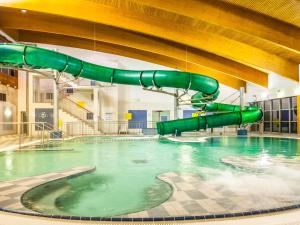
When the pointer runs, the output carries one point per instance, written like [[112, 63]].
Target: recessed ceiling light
[[23, 10]]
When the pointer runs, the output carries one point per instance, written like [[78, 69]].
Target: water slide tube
[[18, 55]]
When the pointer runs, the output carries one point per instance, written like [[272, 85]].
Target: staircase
[[75, 118]]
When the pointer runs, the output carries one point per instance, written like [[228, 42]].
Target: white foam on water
[[277, 181]]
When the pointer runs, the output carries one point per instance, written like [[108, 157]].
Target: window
[[275, 126], [275, 116], [70, 90], [285, 115], [2, 97], [293, 127], [267, 116], [294, 102], [293, 114], [285, 127], [89, 116], [267, 126], [285, 103], [275, 104], [267, 105], [280, 115], [49, 96]]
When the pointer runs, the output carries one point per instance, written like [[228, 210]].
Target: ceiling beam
[[35, 37], [165, 28], [226, 15], [103, 33]]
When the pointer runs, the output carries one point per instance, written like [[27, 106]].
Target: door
[[139, 119]]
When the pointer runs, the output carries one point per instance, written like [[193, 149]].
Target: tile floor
[[192, 195], [12, 191]]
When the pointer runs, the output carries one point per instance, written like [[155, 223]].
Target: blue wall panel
[[188, 113], [139, 119]]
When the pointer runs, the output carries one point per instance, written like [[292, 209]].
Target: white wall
[[279, 87], [8, 109]]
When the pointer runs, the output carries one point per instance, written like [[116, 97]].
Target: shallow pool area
[[126, 179]]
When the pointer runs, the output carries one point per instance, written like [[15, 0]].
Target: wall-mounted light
[[7, 112], [23, 10]]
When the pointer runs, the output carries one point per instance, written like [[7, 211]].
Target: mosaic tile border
[[152, 219]]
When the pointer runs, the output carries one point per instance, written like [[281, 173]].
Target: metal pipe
[[7, 37]]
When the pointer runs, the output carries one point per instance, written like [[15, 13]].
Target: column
[[55, 103], [176, 105], [242, 97], [96, 108]]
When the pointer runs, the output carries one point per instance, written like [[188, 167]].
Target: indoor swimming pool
[[212, 175]]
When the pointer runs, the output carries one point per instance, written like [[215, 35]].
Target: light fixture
[[7, 112], [23, 10]]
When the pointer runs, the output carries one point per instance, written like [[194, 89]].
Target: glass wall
[[280, 115]]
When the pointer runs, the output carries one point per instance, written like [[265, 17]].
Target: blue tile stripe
[[169, 218]]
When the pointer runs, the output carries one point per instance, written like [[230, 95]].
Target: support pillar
[[176, 105], [242, 130], [242, 97], [96, 107], [298, 114], [55, 103], [30, 109]]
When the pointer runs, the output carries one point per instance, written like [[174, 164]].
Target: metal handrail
[[75, 103], [76, 111], [38, 133]]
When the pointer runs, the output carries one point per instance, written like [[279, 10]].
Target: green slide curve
[[18, 55]]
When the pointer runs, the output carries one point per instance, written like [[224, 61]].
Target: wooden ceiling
[[240, 40], [287, 11]]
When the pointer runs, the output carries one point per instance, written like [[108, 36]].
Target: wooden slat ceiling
[[253, 34], [284, 10]]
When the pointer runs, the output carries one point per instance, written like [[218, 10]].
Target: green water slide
[[18, 56]]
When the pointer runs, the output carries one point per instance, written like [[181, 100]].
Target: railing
[[71, 129], [20, 134], [218, 131], [127, 127], [77, 111]]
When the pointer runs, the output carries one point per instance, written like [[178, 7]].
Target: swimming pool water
[[125, 177]]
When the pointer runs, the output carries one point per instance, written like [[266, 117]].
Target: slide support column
[[55, 102], [176, 104], [242, 97]]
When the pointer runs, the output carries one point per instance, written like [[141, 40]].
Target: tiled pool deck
[[12, 142], [11, 191], [194, 197]]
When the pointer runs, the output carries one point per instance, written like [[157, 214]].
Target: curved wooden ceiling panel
[[103, 33], [262, 49], [37, 37], [284, 10]]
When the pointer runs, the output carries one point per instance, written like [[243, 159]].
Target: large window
[[280, 115]]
